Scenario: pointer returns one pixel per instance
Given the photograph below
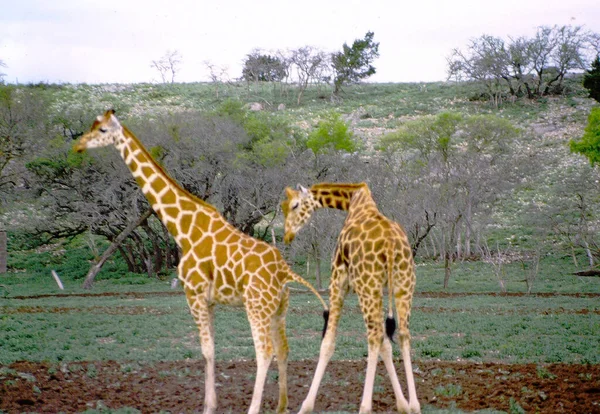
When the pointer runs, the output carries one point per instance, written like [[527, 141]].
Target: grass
[[468, 324], [479, 326], [141, 323]]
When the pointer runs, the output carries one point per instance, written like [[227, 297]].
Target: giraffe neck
[[167, 198], [341, 196]]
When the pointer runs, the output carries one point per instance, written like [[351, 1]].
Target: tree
[[354, 63], [310, 64], [455, 166], [2, 75], [168, 65], [217, 75], [591, 79], [22, 130], [589, 144], [536, 65], [260, 67]]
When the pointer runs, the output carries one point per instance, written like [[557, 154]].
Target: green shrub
[[332, 133]]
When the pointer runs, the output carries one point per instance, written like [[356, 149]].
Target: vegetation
[[591, 79], [354, 63], [533, 67], [474, 180], [492, 196], [331, 134], [129, 313], [589, 145]]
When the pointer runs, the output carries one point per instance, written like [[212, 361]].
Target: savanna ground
[[130, 346]]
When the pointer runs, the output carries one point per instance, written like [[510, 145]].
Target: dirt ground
[[177, 387]]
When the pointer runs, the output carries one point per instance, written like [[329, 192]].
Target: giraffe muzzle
[[80, 145], [289, 237]]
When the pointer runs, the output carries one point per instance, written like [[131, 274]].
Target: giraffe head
[[297, 209], [105, 130]]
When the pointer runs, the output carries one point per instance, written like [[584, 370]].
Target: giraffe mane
[[348, 186], [143, 149]]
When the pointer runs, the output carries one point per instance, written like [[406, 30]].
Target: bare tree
[[497, 259], [536, 65], [217, 74], [2, 75], [310, 62], [168, 65]]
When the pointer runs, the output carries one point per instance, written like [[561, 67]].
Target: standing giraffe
[[219, 264], [372, 252]]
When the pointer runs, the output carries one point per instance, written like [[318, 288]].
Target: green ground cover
[[469, 321]]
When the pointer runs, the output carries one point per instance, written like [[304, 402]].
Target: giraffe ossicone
[[372, 252], [219, 263]]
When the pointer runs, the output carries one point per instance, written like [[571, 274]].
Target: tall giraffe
[[372, 252], [219, 264]]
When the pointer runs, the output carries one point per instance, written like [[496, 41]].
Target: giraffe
[[372, 251], [219, 264]]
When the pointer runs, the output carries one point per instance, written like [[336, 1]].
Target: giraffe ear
[[112, 119], [289, 193], [303, 190]]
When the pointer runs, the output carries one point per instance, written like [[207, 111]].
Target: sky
[[85, 41]]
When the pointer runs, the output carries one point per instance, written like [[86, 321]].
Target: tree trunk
[[89, 279], [3, 252], [143, 253], [154, 239], [318, 270], [447, 269]]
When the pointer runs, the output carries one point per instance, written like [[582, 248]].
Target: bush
[[591, 80], [589, 145], [332, 133]]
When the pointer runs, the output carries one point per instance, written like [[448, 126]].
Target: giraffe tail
[[390, 321], [296, 278]]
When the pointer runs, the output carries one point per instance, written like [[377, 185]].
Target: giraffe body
[[372, 252], [219, 264]]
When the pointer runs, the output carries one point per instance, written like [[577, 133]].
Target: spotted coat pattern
[[219, 264], [372, 253]]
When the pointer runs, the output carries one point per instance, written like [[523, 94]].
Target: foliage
[[534, 67], [354, 63], [589, 144], [331, 134], [591, 79], [450, 162], [22, 126], [260, 67]]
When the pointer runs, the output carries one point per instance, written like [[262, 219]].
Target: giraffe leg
[[264, 354], [371, 306], [336, 302], [203, 314], [281, 350], [388, 360], [403, 311]]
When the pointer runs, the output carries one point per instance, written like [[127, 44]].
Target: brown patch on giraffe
[[158, 184], [185, 221], [147, 171], [169, 197]]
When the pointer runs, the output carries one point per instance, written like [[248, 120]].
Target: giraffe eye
[[103, 129], [295, 206]]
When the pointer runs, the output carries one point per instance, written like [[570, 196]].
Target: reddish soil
[[178, 386]]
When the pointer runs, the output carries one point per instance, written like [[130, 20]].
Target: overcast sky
[[74, 41]]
